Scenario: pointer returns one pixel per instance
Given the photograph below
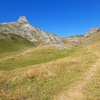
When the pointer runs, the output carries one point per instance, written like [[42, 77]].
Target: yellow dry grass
[[49, 79]]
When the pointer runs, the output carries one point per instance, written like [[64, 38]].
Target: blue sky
[[61, 17]]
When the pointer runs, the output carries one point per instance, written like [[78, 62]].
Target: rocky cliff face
[[92, 31], [75, 39], [24, 29], [88, 37], [33, 34]]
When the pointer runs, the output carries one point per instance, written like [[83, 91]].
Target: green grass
[[36, 57], [12, 43], [40, 89], [51, 73], [64, 72], [92, 91]]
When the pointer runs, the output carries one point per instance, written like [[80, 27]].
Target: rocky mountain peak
[[31, 33], [22, 19]]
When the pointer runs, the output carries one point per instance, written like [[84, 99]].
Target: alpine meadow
[[37, 65]]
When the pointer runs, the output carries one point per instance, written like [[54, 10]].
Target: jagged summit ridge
[[23, 28], [22, 19]]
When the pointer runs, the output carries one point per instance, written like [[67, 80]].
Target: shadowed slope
[[12, 42]]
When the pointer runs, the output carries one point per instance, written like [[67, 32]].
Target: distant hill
[[14, 35], [92, 31], [90, 36]]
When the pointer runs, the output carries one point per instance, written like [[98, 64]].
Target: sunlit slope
[[46, 80], [33, 56], [44, 73], [92, 90], [87, 87]]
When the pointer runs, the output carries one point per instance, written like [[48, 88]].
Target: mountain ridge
[[25, 29]]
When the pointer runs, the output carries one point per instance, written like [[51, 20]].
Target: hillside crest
[[23, 28]]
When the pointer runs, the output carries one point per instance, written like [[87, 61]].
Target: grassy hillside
[[43, 73], [37, 56], [92, 90], [44, 81], [12, 42]]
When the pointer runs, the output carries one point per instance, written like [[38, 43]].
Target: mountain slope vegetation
[[48, 79], [50, 69], [12, 42]]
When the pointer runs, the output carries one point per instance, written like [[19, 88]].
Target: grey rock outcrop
[[24, 29], [74, 39], [92, 31], [22, 19]]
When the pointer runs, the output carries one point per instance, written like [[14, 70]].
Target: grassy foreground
[[92, 91], [31, 58], [44, 73]]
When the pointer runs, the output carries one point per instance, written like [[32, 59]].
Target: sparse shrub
[[48, 75], [31, 74], [12, 58]]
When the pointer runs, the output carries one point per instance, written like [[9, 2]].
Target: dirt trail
[[18, 54], [75, 91]]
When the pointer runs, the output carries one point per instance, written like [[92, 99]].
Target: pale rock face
[[24, 29], [73, 39], [22, 19], [92, 31]]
